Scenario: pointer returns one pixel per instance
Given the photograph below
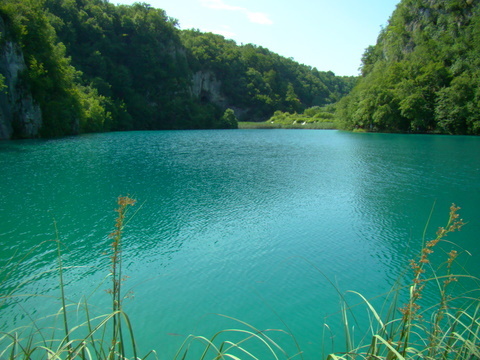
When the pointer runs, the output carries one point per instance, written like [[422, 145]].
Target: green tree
[[228, 120], [291, 99], [54, 82], [457, 106], [421, 74], [96, 66]]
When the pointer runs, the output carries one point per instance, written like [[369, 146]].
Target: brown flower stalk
[[410, 310], [116, 267]]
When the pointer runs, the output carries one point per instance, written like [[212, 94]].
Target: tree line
[[95, 66], [423, 74]]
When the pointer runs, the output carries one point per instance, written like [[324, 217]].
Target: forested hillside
[[423, 75], [91, 65], [259, 80]]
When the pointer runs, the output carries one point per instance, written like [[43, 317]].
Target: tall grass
[[111, 336], [86, 339], [445, 327], [408, 326], [117, 279]]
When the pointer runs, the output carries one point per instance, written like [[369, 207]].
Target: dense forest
[[72, 66], [93, 66], [423, 74]]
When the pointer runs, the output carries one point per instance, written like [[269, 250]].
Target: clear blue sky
[[330, 35]]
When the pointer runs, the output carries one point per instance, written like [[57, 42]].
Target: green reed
[[111, 336], [447, 327], [87, 339], [117, 278]]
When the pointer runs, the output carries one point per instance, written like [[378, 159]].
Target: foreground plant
[[85, 340], [117, 279], [249, 343], [448, 328], [111, 336]]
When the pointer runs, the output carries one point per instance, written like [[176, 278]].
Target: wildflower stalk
[[410, 310], [440, 331], [116, 273]]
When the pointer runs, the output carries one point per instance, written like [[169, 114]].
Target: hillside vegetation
[[423, 75], [95, 66], [90, 65]]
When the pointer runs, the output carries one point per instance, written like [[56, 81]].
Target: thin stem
[[62, 291]]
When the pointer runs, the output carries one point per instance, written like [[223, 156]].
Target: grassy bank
[[270, 125], [321, 118], [407, 326]]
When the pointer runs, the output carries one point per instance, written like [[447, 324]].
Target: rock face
[[20, 116], [207, 88]]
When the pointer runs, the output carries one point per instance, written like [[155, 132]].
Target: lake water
[[261, 225]]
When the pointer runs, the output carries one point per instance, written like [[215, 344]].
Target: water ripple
[[253, 224]]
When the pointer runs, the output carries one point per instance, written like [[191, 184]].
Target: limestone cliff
[[207, 88], [20, 116]]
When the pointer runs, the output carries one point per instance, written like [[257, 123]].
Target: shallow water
[[262, 225]]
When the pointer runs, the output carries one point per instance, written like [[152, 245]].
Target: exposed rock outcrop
[[207, 88], [20, 116]]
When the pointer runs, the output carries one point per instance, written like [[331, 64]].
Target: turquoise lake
[[266, 226]]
